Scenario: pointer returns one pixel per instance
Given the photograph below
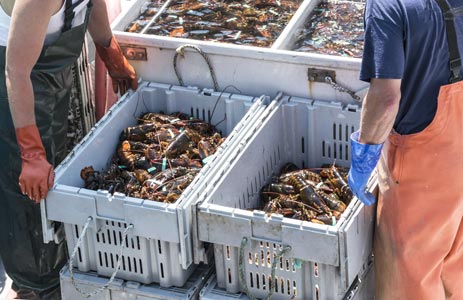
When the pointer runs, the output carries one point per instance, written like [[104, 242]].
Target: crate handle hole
[[162, 270], [159, 247], [77, 231], [106, 259], [80, 254], [228, 252], [135, 264]]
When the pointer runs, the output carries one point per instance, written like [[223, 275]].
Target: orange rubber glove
[[121, 72], [37, 173]]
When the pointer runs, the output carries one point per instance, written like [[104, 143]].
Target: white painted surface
[[125, 4]]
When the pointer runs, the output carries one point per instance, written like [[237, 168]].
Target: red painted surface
[[104, 95]]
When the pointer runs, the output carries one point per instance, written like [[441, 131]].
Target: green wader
[[31, 264]]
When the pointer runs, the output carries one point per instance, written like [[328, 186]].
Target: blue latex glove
[[364, 160]]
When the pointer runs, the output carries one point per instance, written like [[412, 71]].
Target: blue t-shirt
[[406, 39]]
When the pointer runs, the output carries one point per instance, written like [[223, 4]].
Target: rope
[[118, 264], [272, 272], [180, 50]]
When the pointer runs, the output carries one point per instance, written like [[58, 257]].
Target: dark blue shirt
[[406, 39]]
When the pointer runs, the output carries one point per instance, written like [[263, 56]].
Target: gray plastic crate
[[360, 290], [125, 290], [323, 261], [159, 246], [200, 251]]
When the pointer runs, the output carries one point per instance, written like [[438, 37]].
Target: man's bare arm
[[379, 110], [29, 22], [98, 26]]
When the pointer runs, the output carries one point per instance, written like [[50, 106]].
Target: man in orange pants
[[412, 123]]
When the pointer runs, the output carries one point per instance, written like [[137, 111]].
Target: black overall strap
[[454, 54], [69, 14]]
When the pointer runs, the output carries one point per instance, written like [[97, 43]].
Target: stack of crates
[[89, 283], [158, 246], [314, 261], [166, 245]]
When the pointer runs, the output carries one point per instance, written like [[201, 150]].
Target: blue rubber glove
[[364, 160]]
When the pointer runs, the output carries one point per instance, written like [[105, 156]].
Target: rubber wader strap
[[454, 54], [69, 14]]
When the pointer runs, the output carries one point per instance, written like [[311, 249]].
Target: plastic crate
[[201, 251], [360, 290], [159, 247], [124, 290], [323, 261]]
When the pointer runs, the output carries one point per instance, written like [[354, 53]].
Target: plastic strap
[[454, 54]]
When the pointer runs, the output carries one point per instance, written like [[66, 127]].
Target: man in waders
[[39, 42], [412, 123]]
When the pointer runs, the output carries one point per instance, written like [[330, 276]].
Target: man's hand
[[121, 72], [364, 160], [37, 174]]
